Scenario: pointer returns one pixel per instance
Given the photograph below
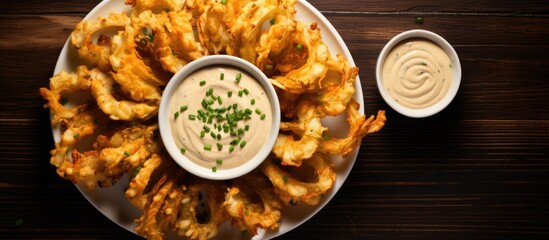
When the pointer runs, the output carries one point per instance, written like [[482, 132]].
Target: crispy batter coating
[[125, 80], [252, 203], [359, 126], [291, 189]]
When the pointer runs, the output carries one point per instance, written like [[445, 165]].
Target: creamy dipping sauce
[[208, 128], [417, 73]]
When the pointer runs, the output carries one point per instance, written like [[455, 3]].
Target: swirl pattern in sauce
[[417, 73]]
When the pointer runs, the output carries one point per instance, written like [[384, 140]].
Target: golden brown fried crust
[[124, 79]]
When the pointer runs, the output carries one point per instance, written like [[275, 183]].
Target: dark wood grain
[[477, 170]]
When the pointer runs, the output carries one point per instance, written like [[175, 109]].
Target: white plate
[[111, 201]]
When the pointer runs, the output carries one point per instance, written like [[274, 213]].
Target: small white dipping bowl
[[456, 74], [164, 114]]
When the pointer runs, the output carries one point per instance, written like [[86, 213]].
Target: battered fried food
[[124, 79], [291, 189], [252, 203]]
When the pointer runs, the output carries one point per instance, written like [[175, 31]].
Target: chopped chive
[[231, 149], [234, 106], [210, 119], [325, 136], [273, 21], [207, 147], [258, 111], [238, 77], [203, 82], [219, 136], [192, 117], [233, 134], [285, 179], [247, 127], [214, 169], [183, 108], [69, 148], [175, 115], [201, 113], [248, 111], [219, 146], [19, 222], [211, 101], [219, 161], [252, 101], [202, 133], [229, 93], [213, 135], [63, 101], [300, 46], [242, 144], [183, 150], [222, 76], [75, 135], [240, 93], [262, 117], [206, 128], [419, 20], [223, 1], [126, 153], [136, 171], [209, 92], [204, 103], [219, 100], [245, 90], [240, 131]]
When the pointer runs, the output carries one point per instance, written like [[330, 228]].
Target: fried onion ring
[[248, 214], [359, 126], [65, 82], [96, 54], [101, 88], [293, 191]]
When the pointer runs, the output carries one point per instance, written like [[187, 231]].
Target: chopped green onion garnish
[[325, 136], [63, 101], [219, 161], [202, 133], [300, 46], [126, 153], [175, 115], [208, 147], [219, 100], [209, 92], [285, 179], [206, 128], [245, 90], [247, 127], [219, 146], [210, 119], [240, 131], [231, 149], [262, 116], [258, 111], [222, 76], [238, 77], [211, 101], [75, 135], [273, 21], [203, 82], [230, 93], [240, 93], [248, 111], [192, 117], [252, 101], [214, 169], [183, 150], [223, 1], [183, 108], [219, 136], [242, 144], [136, 171], [213, 135]]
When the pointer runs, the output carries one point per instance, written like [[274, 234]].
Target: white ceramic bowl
[[456, 74], [165, 129]]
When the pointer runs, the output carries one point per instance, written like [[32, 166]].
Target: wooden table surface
[[478, 169]]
